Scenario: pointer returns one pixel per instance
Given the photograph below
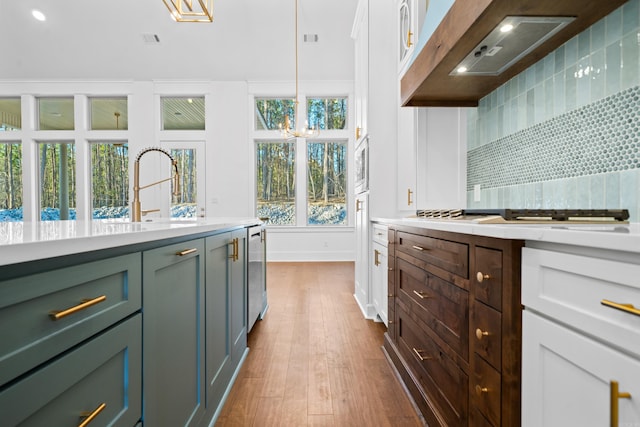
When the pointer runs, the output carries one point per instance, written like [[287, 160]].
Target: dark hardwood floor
[[314, 360]]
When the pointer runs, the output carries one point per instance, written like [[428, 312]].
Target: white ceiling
[[249, 40]]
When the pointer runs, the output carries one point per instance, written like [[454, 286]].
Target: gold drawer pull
[[376, 254], [480, 333], [91, 415], [480, 390], [57, 315], [409, 193], [358, 203], [627, 308], [480, 277], [615, 395], [418, 248], [187, 252], [236, 253], [390, 268], [421, 295], [420, 356]]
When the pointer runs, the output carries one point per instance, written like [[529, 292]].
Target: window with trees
[[184, 205], [326, 183], [270, 113], [10, 182], [327, 113], [110, 180], [57, 161], [276, 183]]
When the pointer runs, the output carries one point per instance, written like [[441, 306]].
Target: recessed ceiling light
[[462, 70], [506, 28], [38, 15]]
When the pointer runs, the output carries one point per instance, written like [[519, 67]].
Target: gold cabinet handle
[[234, 245], [480, 390], [627, 308], [86, 303], [418, 248], [421, 295], [390, 268], [409, 42], [480, 277], [614, 396], [376, 254], [409, 194], [358, 208], [91, 415], [420, 356], [480, 333], [187, 252], [358, 132]]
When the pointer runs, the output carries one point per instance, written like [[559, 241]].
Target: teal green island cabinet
[[147, 334]]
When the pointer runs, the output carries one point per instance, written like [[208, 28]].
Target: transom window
[[10, 114], [270, 113], [55, 114], [183, 113], [327, 113]]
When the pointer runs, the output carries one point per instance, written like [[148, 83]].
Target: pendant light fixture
[[190, 10], [285, 129]]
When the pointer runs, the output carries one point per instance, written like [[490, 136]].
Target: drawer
[[443, 306], [486, 328], [487, 280], [486, 390], [572, 288], [380, 234], [30, 336], [449, 256], [105, 370], [476, 419], [439, 376]]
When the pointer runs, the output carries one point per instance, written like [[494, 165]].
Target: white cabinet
[[379, 267], [360, 33], [362, 289], [407, 162], [581, 337]]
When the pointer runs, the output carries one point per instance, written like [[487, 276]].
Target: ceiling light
[[506, 28], [285, 129], [38, 15], [190, 10], [461, 70]]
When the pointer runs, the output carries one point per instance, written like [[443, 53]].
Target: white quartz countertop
[[622, 237], [29, 241]]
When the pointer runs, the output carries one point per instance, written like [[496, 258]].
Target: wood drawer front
[[444, 306], [449, 256], [380, 234], [476, 419], [570, 288], [30, 336], [439, 376], [486, 331], [486, 390], [487, 280], [106, 369]]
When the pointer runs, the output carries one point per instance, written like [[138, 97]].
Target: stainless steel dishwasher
[[256, 274]]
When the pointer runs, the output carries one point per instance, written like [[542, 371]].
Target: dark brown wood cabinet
[[456, 331]]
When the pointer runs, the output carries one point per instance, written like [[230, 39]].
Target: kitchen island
[[515, 324], [121, 322]]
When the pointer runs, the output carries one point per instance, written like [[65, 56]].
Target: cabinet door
[[218, 365], [361, 36], [238, 305], [567, 378], [379, 284], [173, 339], [407, 137], [362, 291]]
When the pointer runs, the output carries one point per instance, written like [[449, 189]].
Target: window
[[327, 113], [271, 113], [57, 163], [326, 183], [10, 114], [10, 182], [276, 183], [109, 114], [184, 205], [110, 180], [55, 114], [182, 113]]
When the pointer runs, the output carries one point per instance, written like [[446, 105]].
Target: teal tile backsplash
[[565, 133]]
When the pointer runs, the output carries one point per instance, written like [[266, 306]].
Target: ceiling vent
[[310, 38], [151, 38], [510, 41]]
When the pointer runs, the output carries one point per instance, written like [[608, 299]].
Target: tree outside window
[[271, 113], [57, 181], [327, 113], [326, 183], [110, 180], [10, 182], [184, 205], [276, 183]]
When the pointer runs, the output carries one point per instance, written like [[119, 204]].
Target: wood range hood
[[428, 81]]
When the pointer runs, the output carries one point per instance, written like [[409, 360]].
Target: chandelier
[[190, 10], [285, 129]]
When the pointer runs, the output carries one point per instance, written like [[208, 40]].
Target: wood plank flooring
[[314, 360]]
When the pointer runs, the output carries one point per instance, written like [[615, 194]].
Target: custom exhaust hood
[[468, 56]]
